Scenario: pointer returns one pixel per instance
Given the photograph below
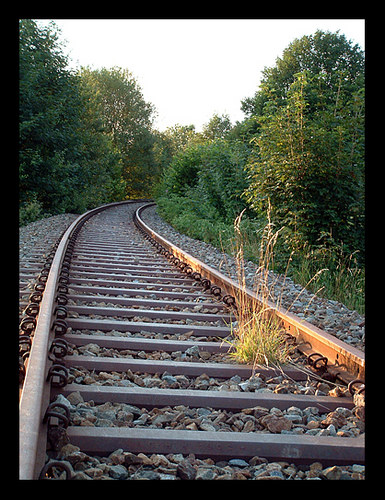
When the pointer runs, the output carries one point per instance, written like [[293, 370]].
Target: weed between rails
[[258, 335]]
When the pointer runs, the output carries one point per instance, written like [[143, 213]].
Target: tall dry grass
[[258, 336]]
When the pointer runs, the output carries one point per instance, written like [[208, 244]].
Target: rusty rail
[[344, 361], [36, 389], [37, 392]]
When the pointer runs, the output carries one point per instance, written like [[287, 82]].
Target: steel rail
[[347, 362], [36, 390]]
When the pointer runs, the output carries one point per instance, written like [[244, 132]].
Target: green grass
[[259, 340], [341, 279], [258, 334]]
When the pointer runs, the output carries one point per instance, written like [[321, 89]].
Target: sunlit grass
[[258, 334]]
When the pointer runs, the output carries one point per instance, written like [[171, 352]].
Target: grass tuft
[[259, 337]]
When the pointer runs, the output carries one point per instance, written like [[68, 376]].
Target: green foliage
[[301, 151], [67, 162], [342, 279], [222, 178], [211, 176], [126, 119], [217, 128], [309, 151], [200, 193], [85, 138], [49, 111], [326, 54], [30, 211], [182, 173], [182, 214], [182, 136]]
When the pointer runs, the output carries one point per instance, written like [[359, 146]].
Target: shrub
[[31, 211]]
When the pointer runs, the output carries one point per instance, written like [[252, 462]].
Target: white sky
[[190, 69]]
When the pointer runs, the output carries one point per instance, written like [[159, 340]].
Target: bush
[[211, 179], [180, 213], [309, 166], [182, 173], [31, 211]]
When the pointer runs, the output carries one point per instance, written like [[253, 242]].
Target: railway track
[[127, 374]]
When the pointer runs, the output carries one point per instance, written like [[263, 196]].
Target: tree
[[99, 156], [328, 55], [127, 119], [211, 176], [308, 164], [308, 153], [67, 162], [50, 109], [222, 178], [182, 136], [217, 128]]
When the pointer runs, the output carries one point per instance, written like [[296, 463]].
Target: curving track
[[110, 298]]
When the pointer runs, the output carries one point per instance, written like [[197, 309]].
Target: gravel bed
[[124, 465], [341, 422], [121, 465], [147, 335], [42, 234], [35, 242], [329, 315], [191, 354]]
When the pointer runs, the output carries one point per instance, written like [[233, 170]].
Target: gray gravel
[[37, 239], [42, 234], [121, 465], [331, 316]]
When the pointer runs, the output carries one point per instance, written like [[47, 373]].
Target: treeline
[[86, 137], [297, 160], [299, 150]]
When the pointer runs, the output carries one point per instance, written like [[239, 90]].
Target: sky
[[191, 69]]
